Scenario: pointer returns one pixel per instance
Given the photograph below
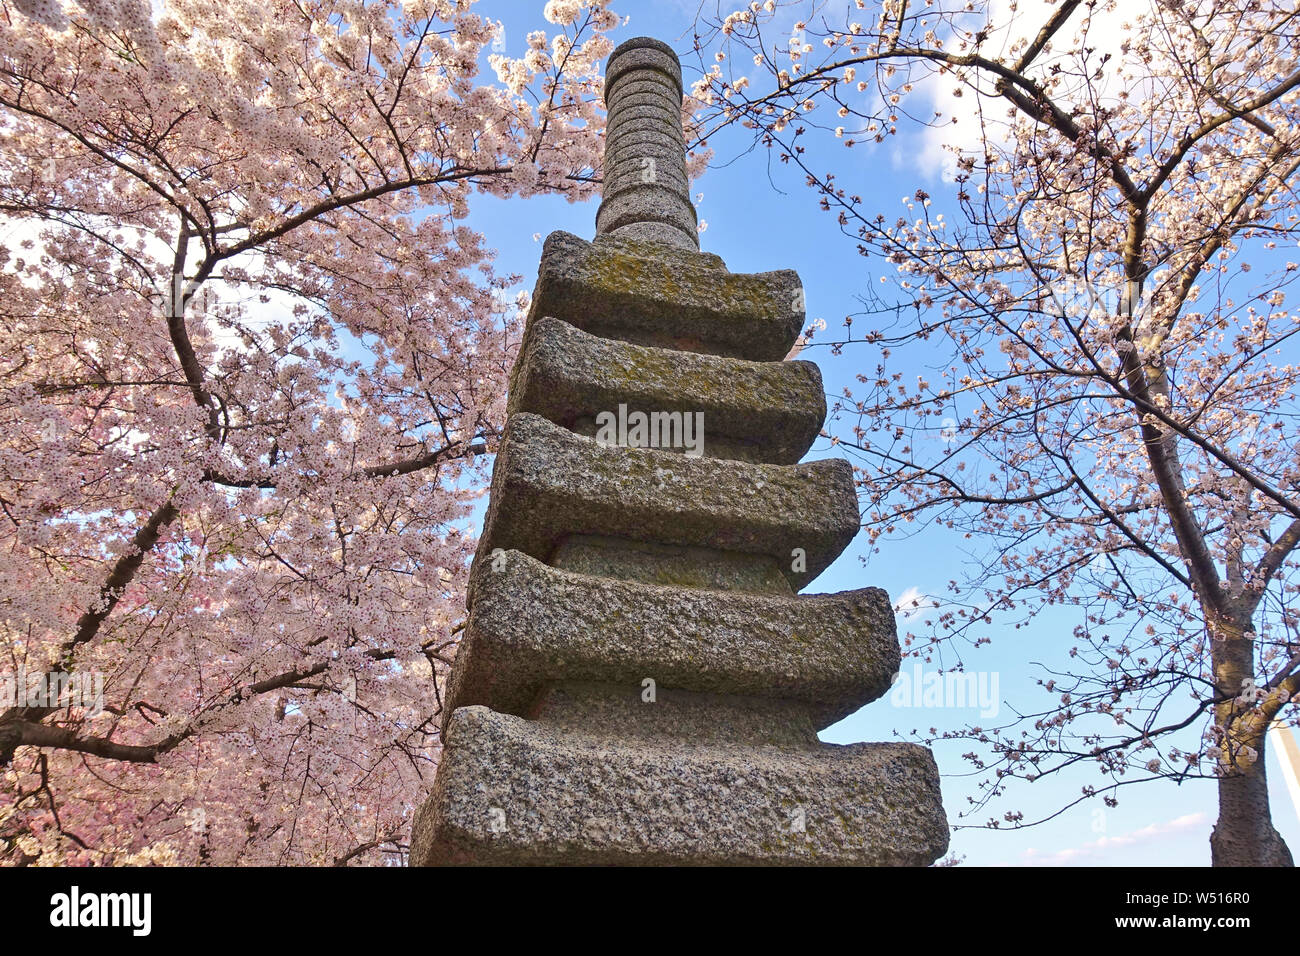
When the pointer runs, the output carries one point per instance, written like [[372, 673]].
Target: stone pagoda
[[639, 681]]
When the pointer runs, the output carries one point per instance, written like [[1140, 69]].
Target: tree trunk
[[1244, 833]]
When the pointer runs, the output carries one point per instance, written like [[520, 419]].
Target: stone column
[[646, 193], [639, 680]]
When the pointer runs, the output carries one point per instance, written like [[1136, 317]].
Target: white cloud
[[913, 602], [1105, 35], [1100, 851]]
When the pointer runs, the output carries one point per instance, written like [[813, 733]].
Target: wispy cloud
[[913, 602], [1104, 31], [1102, 850]]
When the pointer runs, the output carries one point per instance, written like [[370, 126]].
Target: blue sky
[[761, 216]]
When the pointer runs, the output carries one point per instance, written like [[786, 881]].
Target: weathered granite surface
[[624, 711], [548, 483], [513, 791], [670, 564], [645, 192], [531, 624], [655, 684], [775, 409], [650, 293]]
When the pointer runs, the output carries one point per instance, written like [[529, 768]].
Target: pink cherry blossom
[[250, 356], [1102, 307]]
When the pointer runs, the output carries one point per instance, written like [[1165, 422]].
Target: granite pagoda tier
[[640, 681]]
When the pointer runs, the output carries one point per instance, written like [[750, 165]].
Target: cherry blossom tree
[[250, 356], [1097, 304]]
